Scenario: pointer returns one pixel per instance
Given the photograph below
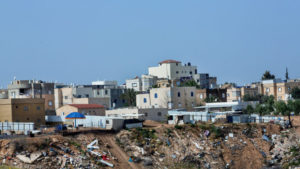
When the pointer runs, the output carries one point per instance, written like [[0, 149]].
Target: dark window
[[38, 108], [146, 114], [159, 113], [177, 72], [107, 121], [106, 92], [28, 119], [178, 94], [145, 100], [192, 94], [87, 95], [195, 71], [191, 72], [17, 107], [155, 95]]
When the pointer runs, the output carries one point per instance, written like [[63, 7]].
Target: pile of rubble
[[56, 152], [209, 146]]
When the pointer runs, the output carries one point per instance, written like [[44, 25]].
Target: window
[[107, 122], [176, 64], [145, 100], [192, 94], [191, 72], [146, 114], [178, 94], [98, 93], [17, 107], [228, 95], [25, 108], [66, 97], [155, 95], [159, 113], [38, 108], [106, 92], [177, 72], [195, 71], [87, 95], [27, 119], [134, 84], [50, 103], [201, 96], [279, 89], [223, 95], [267, 89]]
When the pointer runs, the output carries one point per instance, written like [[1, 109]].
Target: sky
[[75, 41]]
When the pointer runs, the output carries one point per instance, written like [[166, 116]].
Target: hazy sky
[[82, 41]]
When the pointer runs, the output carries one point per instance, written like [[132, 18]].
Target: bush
[[178, 127]]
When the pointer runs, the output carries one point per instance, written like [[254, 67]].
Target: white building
[[143, 83], [172, 69]]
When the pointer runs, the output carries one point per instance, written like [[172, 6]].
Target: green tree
[[290, 108], [295, 93], [260, 109], [280, 107], [130, 97], [249, 109], [189, 83], [267, 76]]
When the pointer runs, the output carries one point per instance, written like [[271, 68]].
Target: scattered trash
[[230, 134], [173, 156], [207, 133], [31, 159], [266, 138]]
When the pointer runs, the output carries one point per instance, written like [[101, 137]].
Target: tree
[[189, 83], [295, 93], [286, 74], [260, 109], [248, 97], [280, 107], [130, 97], [249, 109], [290, 108], [267, 76]]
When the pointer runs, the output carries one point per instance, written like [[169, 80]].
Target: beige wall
[[140, 100], [67, 109], [234, 94], [23, 110], [105, 101]]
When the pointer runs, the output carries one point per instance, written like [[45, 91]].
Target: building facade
[[168, 97], [172, 69], [85, 109], [23, 110], [34, 89]]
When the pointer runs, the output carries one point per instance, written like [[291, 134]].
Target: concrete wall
[[105, 101], [143, 100]]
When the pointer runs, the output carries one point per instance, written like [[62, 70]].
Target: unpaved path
[[122, 157]]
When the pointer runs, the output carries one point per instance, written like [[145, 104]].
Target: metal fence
[[16, 126]]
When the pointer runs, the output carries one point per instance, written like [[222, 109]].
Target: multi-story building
[[238, 93], [33, 89], [172, 69], [218, 94], [280, 89], [143, 83], [205, 81], [168, 97], [100, 89], [23, 110]]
